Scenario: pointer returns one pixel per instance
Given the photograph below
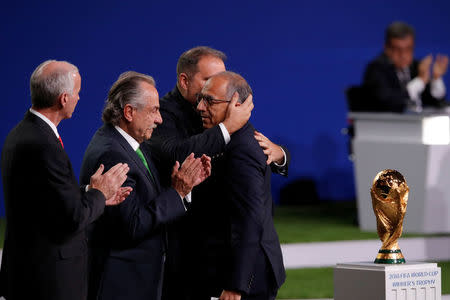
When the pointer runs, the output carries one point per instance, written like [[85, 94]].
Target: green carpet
[[321, 223]]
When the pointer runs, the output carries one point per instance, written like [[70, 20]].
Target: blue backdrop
[[298, 56]]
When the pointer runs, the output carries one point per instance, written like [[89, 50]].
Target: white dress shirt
[[416, 86]]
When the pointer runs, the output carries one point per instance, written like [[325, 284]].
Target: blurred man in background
[[396, 82]]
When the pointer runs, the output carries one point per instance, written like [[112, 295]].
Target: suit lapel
[[151, 165]]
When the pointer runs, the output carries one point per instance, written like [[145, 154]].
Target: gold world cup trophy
[[389, 198]]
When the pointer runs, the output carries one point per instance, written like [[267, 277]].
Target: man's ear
[[183, 81], [128, 111], [63, 99]]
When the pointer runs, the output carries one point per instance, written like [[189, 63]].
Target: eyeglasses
[[209, 100]]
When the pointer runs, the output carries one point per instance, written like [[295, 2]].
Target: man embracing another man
[[236, 252]]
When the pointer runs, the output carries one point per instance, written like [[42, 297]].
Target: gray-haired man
[[128, 261], [47, 212]]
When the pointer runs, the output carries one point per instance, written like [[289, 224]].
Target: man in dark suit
[[396, 82], [182, 133], [45, 251], [236, 250], [128, 260]]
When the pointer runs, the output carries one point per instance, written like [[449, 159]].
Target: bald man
[[47, 212], [235, 251]]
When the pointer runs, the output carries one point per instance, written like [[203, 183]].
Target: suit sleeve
[[144, 210], [248, 214], [171, 145], [71, 209], [380, 91], [282, 170]]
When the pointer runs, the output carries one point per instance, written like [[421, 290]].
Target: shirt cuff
[[225, 133], [284, 160], [86, 188], [437, 88], [415, 87], [187, 198]]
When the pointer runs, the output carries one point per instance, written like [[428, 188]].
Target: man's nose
[[159, 119], [201, 105]]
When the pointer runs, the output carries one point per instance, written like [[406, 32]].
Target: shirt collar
[[133, 143], [46, 120]]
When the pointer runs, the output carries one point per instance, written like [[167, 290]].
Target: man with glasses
[[182, 133], [236, 253], [396, 82]]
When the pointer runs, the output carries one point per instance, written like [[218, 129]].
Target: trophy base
[[389, 257], [369, 281]]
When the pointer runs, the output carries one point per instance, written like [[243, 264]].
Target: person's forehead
[[210, 65], [150, 93], [217, 85], [77, 76], [77, 80], [148, 88], [403, 41]]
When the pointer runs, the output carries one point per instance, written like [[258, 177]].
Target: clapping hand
[[192, 172], [110, 182], [230, 295], [120, 196], [424, 68], [440, 66]]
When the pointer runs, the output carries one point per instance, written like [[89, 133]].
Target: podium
[[369, 281], [416, 145]]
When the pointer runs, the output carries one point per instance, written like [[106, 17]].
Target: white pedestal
[[418, 146], [369, 281]]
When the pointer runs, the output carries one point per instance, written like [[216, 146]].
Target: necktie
[[60, 140], [404, 76], [144, 161]]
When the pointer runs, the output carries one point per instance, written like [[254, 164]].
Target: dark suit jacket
[[180, 134], [385, 91], [235, 245], [45, 252], [128, 241]]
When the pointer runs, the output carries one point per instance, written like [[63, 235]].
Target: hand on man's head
[[238, 114]]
